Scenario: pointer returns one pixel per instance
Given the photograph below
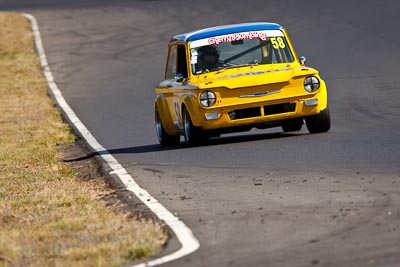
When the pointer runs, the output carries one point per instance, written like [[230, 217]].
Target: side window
[[170, 70], [182, 66]]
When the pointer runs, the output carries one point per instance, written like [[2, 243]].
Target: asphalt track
[[262, 198]]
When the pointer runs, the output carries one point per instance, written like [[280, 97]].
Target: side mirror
[[179, 77], [302, 60]]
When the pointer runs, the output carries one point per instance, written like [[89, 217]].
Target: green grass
[[48, 216]]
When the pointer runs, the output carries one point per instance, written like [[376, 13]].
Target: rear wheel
[[164, 138], [193, 135], [319, 123]]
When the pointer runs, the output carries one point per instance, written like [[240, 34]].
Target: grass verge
[[48, 215]]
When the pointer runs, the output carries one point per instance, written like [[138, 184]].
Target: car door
[[171, 91]]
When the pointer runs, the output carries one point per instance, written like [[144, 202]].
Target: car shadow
[[216, 141], [249, 138]]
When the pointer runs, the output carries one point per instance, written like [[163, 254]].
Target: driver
[[207, 59]]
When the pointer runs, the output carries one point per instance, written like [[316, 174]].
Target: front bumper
[[258, 114]]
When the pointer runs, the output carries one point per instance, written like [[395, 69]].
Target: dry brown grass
[[48, 216]]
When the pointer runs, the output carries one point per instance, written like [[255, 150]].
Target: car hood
[[249, 76]]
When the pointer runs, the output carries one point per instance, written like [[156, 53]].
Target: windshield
[[238, 50]]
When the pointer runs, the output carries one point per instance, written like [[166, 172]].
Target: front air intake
[[244, 113], [279, 109]]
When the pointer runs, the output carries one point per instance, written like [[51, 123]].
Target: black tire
[[164, 138], [320, 123], [194, 136], [292, 125]]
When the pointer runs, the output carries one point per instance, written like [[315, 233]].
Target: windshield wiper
[[254, 63]]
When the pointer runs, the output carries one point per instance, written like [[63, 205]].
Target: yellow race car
[[235, 77]]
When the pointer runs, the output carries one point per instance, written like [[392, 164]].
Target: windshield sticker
[[237, 37], [240, 36], [277, 42]]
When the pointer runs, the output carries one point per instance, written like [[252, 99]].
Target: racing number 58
[[277, 42]]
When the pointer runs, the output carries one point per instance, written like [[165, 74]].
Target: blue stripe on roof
[[226, 29]]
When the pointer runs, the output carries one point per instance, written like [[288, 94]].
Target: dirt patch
[[91, 167]]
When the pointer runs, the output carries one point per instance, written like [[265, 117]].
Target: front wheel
[[319, 123], [193, 135], [292, 125], [164, 138]]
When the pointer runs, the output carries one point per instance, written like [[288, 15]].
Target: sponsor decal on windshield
[[263, 35], [237, 37]]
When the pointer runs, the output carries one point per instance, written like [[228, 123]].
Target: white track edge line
[[183, 233]]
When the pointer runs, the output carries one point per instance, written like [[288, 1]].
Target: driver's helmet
[[208, 57]]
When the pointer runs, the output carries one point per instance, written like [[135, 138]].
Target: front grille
[[245, 113], [279, 108]]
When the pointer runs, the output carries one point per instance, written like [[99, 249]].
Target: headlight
[[311, 84], [207, 98]]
